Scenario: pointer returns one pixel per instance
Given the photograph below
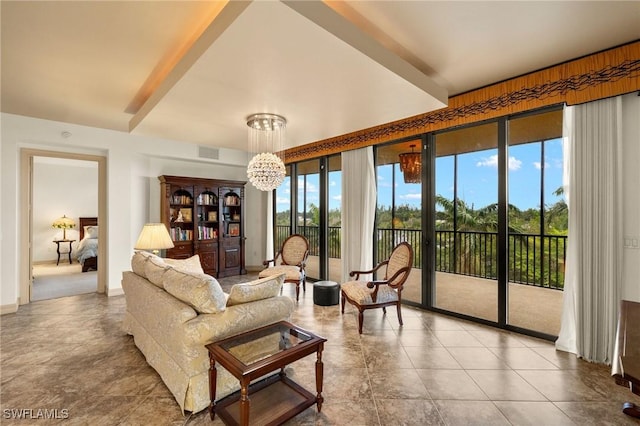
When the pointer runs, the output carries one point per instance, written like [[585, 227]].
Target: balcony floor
[[530, 307]]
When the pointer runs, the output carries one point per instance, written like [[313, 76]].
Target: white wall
[[631, 194], [133, 166], [61, 187]]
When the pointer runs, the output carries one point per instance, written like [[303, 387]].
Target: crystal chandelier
[[266, 169], [411, 166]]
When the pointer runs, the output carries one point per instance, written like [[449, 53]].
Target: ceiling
[[193, 71]]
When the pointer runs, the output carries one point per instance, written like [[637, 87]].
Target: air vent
[[208, 152]]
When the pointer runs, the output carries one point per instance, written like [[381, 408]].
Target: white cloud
[[538, 165], [282, 200], [337, 197], [309, 188], [411, 197], [514, 163], [332, 183]]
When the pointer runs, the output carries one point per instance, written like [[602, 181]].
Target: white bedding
[[87, 248]]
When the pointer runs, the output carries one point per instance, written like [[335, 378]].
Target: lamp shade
[[64, 223], [154, 237]]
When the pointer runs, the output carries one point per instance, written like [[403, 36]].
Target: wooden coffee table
[[251, 355]]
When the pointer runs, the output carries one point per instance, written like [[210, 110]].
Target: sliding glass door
[[466, 221], [537, 222], [399, 208], [334, 217], [308, 213]]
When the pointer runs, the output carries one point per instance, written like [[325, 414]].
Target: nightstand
[[58, 242]]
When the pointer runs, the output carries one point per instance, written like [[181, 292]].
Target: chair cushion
[[255, 290], [202, 292], [361, 294], [292, 273]]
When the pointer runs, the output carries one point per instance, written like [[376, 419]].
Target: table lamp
[[154, 237], [64, 223]]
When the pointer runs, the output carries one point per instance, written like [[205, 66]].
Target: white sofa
[[174, 310]]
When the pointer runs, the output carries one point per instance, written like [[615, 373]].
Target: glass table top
[[260, 344]]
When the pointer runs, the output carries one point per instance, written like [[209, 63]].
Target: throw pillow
[[202, 292], [255, 290], [191, 264], [154, 269], [138, 260]]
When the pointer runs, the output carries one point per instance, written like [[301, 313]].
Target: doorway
[[31, 227]]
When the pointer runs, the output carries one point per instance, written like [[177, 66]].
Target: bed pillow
[[202, 292], [263, 288], [191, 264], [91, 232]]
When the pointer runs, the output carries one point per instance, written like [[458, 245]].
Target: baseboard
[[118, 291], [9, 309], [254, 268]]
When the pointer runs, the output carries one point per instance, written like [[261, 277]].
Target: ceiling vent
[[208, 152]]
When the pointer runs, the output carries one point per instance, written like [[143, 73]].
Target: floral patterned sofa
[[174, 310]]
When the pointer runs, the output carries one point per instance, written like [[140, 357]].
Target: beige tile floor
[[70, 353]]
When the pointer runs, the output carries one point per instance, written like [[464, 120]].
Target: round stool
[[326, 293]]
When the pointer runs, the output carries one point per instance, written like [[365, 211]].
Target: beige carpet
[[51, 281]]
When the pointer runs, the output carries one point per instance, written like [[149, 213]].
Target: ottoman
[[326, 293]]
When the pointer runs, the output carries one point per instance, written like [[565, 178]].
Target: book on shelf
[[207, 199], [179, 234], [181, 199]]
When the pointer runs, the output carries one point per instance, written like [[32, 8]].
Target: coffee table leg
[[319, 377], [244, 402], [213, 375]]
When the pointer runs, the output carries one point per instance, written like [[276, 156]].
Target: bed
[[87, 252]]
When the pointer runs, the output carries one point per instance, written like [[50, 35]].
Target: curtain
[[358, 210], [593, 189]]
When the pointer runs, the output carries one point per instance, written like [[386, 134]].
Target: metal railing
[[533, 259]]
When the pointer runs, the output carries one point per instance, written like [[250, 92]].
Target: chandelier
[[411, 166], [266, 169]]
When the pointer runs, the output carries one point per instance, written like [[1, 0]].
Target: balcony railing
[[533, 259]]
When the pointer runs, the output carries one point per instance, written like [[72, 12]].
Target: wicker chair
[[293, 258], [380, 293]]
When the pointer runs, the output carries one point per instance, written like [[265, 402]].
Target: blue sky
[[477, 179]]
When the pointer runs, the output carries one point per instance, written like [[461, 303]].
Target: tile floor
[[70, 354]]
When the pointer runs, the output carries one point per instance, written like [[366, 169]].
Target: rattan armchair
[[291, 261], [380, 293]]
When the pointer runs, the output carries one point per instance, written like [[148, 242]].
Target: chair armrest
[[376, 283], [399, 272], [358, 273]]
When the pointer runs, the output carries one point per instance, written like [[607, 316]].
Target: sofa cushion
[[191, 264], [138, 260], [154, 270], [263, 288], [200, 291]]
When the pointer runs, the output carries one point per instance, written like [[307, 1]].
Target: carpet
[[52, 282]]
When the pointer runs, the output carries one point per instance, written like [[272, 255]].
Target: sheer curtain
[[358, 210], [593, 190]]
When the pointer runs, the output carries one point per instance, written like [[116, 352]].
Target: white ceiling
[[193, 71]]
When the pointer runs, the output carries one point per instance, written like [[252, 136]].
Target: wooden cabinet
[[205, 217]]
